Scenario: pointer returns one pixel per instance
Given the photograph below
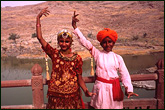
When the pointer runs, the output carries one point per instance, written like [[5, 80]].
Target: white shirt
[[108, 66]]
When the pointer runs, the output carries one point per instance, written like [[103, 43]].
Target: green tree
[[34, 35], [13, 36]]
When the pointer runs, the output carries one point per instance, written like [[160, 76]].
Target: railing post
[[160, 84], [37, 87]]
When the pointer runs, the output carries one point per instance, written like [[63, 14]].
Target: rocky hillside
[[139, 24]]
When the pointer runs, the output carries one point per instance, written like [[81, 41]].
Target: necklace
[[70, 58], [66, 52]]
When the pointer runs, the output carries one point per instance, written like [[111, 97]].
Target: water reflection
[[15, 69], [141, 62]]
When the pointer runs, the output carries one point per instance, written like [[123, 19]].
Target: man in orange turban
[[107, 33], [107, 87]]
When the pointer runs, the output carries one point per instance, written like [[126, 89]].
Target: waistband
[[56, 94], [116, 88], [111, 80]]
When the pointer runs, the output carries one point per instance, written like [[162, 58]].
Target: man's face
[[107, 44]]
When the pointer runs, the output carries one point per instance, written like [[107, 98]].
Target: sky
[[19, 3]]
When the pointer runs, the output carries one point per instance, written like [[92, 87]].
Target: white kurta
[[108, 66]]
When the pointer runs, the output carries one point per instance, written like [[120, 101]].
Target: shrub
[[135, 37], [91, 35], [144, 35], [13, 36], [120, 40], [34, 35]]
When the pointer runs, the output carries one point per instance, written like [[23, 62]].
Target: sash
[[116, 88]]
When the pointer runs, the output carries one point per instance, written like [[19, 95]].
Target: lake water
[[18, 69]]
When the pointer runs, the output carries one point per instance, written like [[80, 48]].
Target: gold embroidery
[[61, 62], [75, 78], [57, 66], [57, 82], [58, 61], [65, 76], [68, 58], [55, 55], [53, 75], [71, 82], [72, 63], [64, 79]]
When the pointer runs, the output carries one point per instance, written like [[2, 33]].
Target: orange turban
[[107, 32]]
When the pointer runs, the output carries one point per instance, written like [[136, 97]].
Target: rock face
[[144, 84], [139, 24]]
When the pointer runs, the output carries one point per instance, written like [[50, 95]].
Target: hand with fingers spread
[[129, 94], [74, 20], [44, 12]]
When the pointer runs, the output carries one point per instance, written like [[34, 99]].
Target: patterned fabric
[[63, 88], [55, 102]]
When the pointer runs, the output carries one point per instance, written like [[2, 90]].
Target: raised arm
[[86, 43], [44, 12], [74, 20]]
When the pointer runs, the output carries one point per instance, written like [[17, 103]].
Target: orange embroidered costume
[[63, 88]]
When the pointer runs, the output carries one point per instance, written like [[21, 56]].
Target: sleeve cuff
[[76, 29], [130, 89]]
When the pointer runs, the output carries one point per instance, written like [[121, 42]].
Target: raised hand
[[74, 20], [44, 12]]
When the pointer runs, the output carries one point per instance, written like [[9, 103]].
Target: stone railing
[[37, 82]]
